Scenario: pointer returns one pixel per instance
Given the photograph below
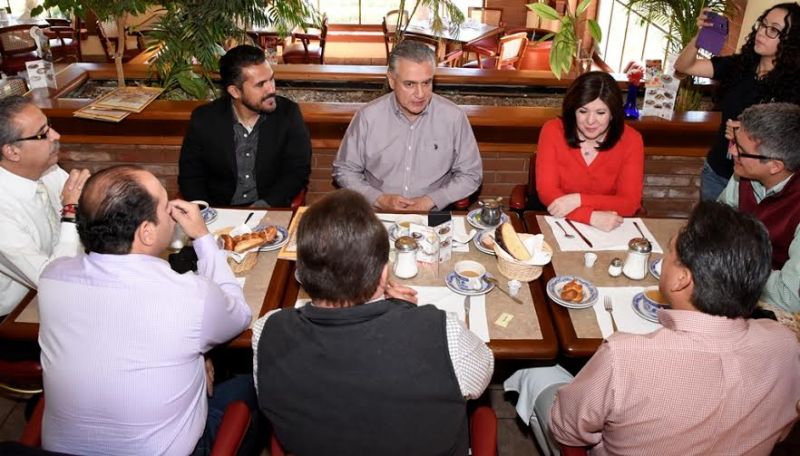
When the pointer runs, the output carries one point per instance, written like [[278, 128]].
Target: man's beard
[[259, 107]]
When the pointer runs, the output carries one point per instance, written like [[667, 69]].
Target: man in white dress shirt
[[37, 202]]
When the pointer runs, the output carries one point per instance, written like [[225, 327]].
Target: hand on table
[[187, 215], [393, 202], [73, 187], [729, 126], [565, 204], [605, 220], [403, 292], [421, 204]]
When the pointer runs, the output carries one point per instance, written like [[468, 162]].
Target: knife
[[466, 311], [569, 222]]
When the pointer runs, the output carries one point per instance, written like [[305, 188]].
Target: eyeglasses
[[36, 137], [742, 154], [770, 31]]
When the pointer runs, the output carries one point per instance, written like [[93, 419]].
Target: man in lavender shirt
[[123, 336], [410, 149]]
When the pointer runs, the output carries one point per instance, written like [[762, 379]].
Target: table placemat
[[523, 325], [571, 263], [256, 283]]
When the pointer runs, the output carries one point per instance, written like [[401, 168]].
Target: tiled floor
[[12, 417]]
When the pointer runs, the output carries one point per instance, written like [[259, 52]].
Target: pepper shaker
[[615, 268]]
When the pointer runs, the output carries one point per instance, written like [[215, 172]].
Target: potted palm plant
[[445, 14], [566, 48]]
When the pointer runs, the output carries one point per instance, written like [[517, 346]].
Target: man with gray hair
[[766, 158], [37, 201], [410, 149]]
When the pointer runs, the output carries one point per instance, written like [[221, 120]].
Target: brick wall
[[671, 183]]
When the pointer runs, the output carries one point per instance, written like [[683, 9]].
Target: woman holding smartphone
[[765, 70]]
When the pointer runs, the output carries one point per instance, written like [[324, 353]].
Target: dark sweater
[[374, 379]]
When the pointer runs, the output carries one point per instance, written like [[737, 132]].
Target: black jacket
[[208, 161]]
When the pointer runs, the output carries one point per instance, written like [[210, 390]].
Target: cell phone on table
[[712, 37]]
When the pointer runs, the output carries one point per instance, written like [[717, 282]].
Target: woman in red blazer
[[589, 164]]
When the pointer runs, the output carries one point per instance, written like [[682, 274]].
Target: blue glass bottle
[[631, 111]]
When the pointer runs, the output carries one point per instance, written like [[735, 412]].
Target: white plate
[[644, 309], [474, 219], [453, 282], [655, 268], [209, 215], [476, 241], [555, 285], [280, 239]]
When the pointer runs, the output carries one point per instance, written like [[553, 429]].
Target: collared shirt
[[435, 155], [783, 287], [700, 385], [27, 242], [473, 362], [122, 340], [245, 146]]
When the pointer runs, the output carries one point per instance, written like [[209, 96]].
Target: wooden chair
[[482, 434], [490, 16], [509, 55], [65, 40], [21, 377], [229, 438], [108, 34], [310, 48], [17, 47], [388, 25], [450, 59]]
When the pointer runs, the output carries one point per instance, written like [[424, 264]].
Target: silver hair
[[776, 129], [413, 51], [10, 107]]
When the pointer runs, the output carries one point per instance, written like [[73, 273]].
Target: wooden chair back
[[388, 25], [512, 48]]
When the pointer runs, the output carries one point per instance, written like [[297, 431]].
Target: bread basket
[[517, 270], [249, 261]]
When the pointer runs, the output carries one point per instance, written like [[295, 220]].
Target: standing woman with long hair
[[766, 70]]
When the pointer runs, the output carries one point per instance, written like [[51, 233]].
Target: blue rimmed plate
[[655, 268], [474, 219], [477, 241], [209, 215], [459, 285], [555, 285], [280, 239], [644, 309]]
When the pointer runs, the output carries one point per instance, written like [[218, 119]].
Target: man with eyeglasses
[[38, 202], [766, 157]]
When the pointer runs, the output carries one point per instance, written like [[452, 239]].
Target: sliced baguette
[[506, 236]]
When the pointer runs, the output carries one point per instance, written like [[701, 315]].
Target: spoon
[[566, 235], [497, 286]]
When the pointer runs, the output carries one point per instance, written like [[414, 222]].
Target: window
[[372, 11], [626, 37]]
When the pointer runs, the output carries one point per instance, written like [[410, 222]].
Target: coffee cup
[[653, 296], [202, 205], [470, 274], [403, 223]]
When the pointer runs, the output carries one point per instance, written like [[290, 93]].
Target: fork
[[610, 309], [566, 235]]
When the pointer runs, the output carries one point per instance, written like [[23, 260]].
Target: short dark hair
[[587, 88], [776, 129], [112, 206], [342, 249], [730, 257], [231, 64], [10, 107]]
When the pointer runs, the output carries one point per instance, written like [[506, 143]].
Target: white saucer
[[655, 268], [555, 284], [453, 282], [209, 215], [280, 239], [476, 241], [474, 219], [644, 309]]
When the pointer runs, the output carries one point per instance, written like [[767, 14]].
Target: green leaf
[[594, 30], [37, 11], [193, 85], [544, 11], [582, 7]]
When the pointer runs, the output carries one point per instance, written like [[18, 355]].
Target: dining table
[[515, 331], [468, 32], [263, 285], [581, 331]]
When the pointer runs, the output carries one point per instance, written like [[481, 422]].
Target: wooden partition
[[506, 135]]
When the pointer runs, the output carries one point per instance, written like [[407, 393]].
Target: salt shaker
[[615, 268], [405, 263], [638, 254]]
